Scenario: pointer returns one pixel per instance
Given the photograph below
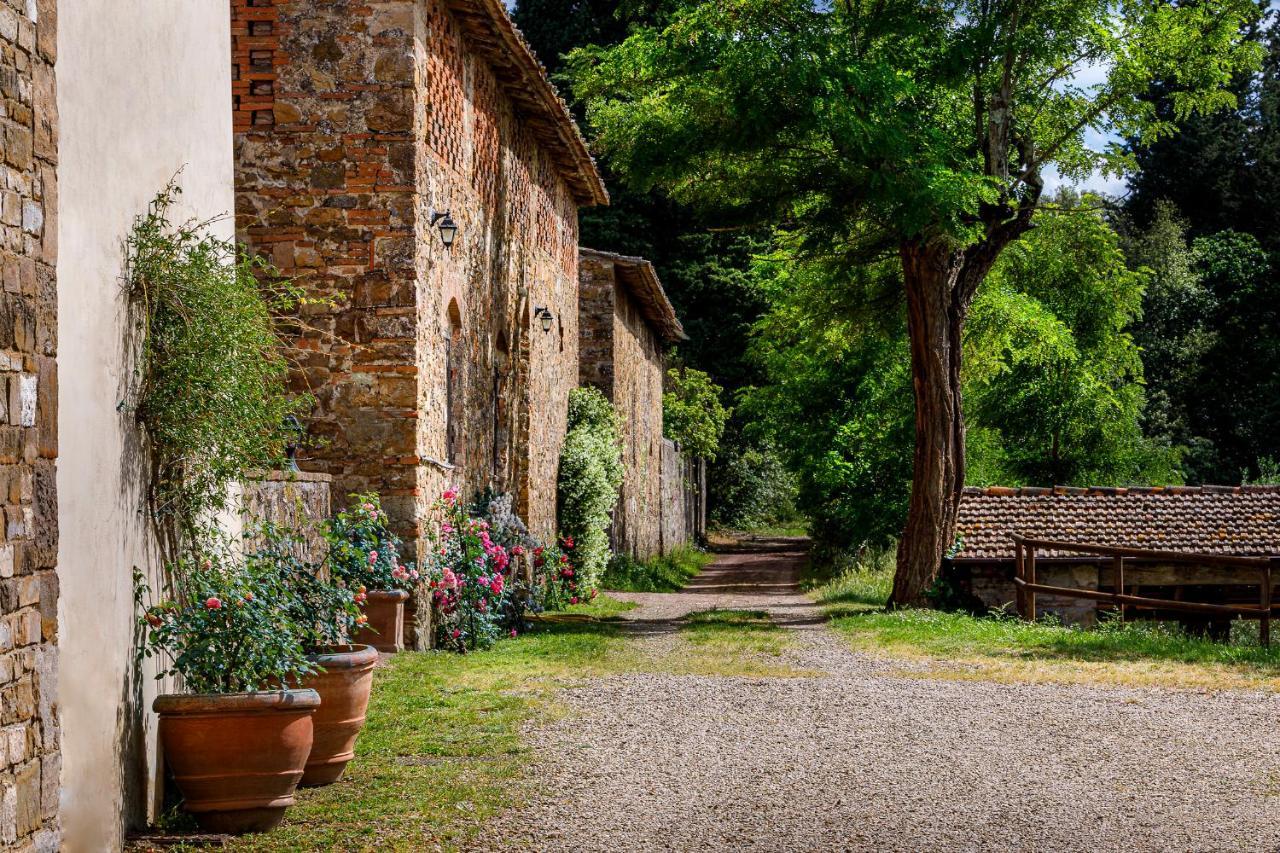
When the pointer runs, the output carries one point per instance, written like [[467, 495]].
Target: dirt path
[[862, 758]]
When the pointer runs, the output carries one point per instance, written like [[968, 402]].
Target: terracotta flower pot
[[344, 696], [385, 629], [237, 757]]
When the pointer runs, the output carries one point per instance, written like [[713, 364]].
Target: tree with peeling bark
[[920, 130]]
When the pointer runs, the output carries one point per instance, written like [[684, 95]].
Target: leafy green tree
[[692, 413], [1235, 404], [907, 129], [1052, 379], [1052, 365], [1174, 335]]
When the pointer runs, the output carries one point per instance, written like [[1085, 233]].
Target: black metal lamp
[[448, 228], [545, 315], [296, 432]]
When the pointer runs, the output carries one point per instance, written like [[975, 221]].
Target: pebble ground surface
[[863, 757]]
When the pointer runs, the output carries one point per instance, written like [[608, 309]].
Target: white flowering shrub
[[590, 476]]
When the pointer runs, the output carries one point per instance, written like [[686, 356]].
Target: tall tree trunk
[[937, 304]]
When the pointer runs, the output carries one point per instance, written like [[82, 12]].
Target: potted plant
[[327, 612], [365, 555], [237, 741]]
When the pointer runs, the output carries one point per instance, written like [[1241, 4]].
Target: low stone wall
[[991, 583], [298, 500]]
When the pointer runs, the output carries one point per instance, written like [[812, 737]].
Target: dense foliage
[[920, 131], [222, 629], [590, 477], [210, 374], [1203, 216], [692, 413], [363, 551], [324, 610]]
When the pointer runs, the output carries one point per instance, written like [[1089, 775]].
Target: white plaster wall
[[144, 90]]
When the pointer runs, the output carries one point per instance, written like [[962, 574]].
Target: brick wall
[[29, 735], [354, 124]]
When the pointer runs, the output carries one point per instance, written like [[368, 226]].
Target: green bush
[[590, 476], [209, 386], [692, 413]]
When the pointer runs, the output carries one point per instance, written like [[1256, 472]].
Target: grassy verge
[[441, 751], [997, 647], [742, 643], [667, 573]]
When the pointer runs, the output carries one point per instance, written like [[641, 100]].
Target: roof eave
[[533, 91]]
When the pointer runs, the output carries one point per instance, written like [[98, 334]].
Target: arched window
[[454, 360]]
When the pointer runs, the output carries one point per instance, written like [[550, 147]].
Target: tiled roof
[[641, 281], [1239, 520], [524, 79]]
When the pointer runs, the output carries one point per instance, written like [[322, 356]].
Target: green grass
[[441, 751], [729, 643], [735, 632], [667, 573], [853, 592]]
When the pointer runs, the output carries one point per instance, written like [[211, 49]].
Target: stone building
[[363, 133], [625, 325], [1229, 521], [29, 727]]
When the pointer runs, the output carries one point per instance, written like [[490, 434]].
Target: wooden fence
[[1025, 579]]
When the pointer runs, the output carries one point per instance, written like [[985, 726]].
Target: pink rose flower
[[213, 603]]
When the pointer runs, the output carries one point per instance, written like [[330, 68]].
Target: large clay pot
[[385, 629], [237, 757], [344, 696]]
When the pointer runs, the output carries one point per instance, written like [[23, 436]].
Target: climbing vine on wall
[[209, 374]]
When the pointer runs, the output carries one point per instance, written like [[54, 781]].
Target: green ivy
[[210, 374], [590, 477]]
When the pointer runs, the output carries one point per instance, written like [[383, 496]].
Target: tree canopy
[[920, 130]]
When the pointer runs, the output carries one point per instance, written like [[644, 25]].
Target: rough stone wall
[[30, 761], [516, 252], [620, 354], [354, 124], [296, 500], [596, 289], [992, 585], [638, 366]]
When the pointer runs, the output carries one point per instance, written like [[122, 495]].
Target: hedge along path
[[855, 755]]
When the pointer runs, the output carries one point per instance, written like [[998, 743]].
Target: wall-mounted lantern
[[545, 316], [448, 228], [296, 433]]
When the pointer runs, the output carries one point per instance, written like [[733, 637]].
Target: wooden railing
[[1025, 579]]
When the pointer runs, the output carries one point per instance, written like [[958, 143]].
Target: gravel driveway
[[865, 759]]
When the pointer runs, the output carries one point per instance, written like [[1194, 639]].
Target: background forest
[[1123, 340]]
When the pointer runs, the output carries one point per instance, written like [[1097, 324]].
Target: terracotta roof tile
[[1235, 520]]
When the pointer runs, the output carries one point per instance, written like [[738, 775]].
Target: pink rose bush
[[469, 578], [364, 552]]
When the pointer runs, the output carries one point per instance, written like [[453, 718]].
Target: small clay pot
[[344, 688], [237, 757], [385, 628]]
